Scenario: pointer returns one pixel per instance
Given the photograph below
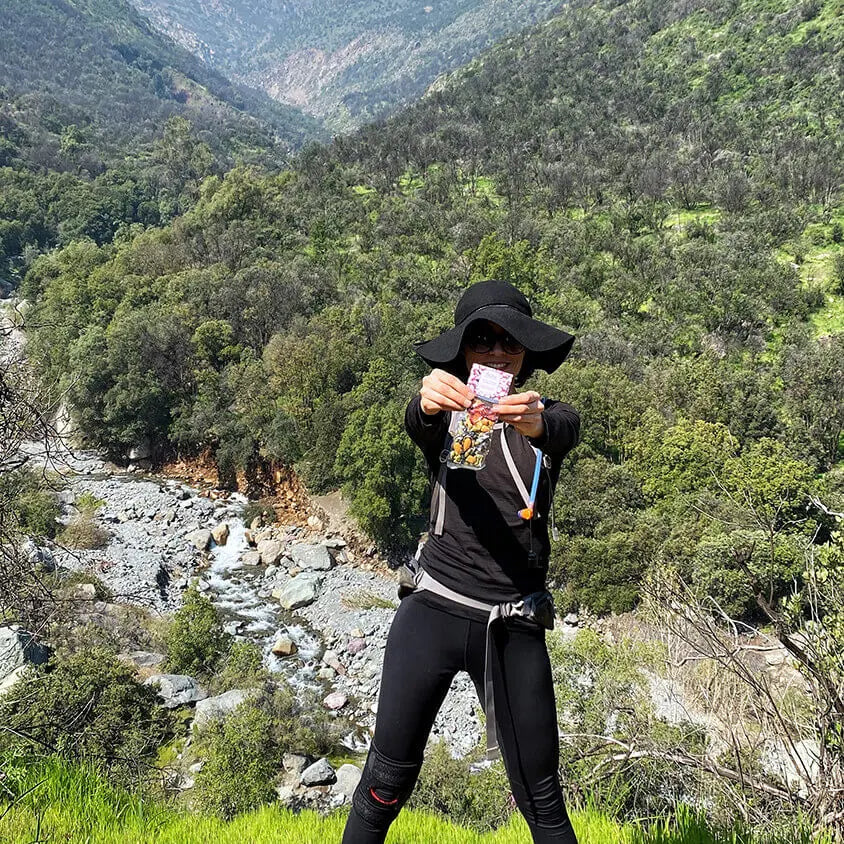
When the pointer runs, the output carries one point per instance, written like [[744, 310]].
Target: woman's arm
[[562, 429]]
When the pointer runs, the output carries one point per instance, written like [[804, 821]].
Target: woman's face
[[489, 344]]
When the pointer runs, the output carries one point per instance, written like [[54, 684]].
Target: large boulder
[[271, 551], [200, 539], [284, 646], [218, 707], [221, 533], [320, 773], [348, 777], [299, 591], [314, 557], [176, 689], [18, 648]]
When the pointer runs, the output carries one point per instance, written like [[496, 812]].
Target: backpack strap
[[514, 470]]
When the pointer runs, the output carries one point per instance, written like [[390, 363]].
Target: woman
[[481, 559]]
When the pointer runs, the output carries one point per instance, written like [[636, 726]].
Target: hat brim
[[548, 346]]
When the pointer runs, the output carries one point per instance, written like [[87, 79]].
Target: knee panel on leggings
[[384, 788]]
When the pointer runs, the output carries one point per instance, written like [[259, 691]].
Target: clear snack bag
[[471, 429]]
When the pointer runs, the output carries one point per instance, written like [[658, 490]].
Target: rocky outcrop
[[176, 689], [217, 708], [320, 773], [18, 649]]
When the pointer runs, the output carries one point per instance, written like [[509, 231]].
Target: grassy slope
[[70, 805]]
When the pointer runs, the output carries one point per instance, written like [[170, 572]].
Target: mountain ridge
[[344, 64]]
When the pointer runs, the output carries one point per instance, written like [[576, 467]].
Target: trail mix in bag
[[471, 429]]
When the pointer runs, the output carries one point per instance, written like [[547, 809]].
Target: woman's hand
[[443, 391], [524, 412]]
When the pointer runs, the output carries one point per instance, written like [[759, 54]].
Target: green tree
[[196, 643]]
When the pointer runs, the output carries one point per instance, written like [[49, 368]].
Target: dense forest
[[664, 180], [86, 89], [346, 63]]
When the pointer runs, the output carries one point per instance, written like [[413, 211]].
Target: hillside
[[105, 123], [93, 78], [676, 206], [663, 180], [684, 103], [342, 62]]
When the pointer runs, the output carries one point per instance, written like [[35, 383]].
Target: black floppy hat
[[499, 302]]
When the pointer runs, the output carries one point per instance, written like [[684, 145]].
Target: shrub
[[838, 272], [86, 706], [243, 753], [449, 788], [83, 533], [242, 759], [88, 503], [33, 508], [196, 642], [243, 668]]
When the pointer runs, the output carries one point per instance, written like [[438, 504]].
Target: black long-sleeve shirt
[[483, 551]]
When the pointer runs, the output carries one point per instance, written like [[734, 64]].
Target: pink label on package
[[488, 383]]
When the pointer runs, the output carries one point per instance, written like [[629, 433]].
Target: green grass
[[681, 218], [68, 803], [830, 320]]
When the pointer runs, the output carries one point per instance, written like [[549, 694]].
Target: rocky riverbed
[[319, 611]]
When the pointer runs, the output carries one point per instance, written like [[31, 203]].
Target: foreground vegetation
[[72, 803]]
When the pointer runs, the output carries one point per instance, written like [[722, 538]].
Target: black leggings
[[426, 647]]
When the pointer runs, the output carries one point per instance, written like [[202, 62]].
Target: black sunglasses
[[483, 340]]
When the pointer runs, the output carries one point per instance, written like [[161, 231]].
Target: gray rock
[[17, 648], [314, 557], [334, 542], [200, 539], [331, 659], [41, 559], [251, 558], [348, 777], [271, 551], [571, 619], [176, 689], [320, 773], [355, 646], [286, 794], [270, 572], [218, 707], [197, 767], [300, 591]]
